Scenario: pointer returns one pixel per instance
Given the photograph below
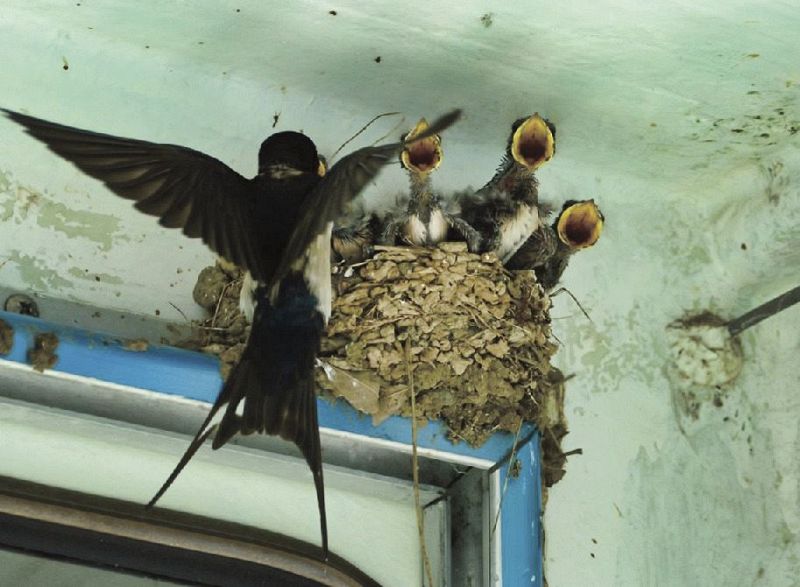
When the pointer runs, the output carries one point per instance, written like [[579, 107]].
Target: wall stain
[[36, 273], [612, 351], [19, 202], [99, 228], [92, 276], [769, 119], [777, 181]]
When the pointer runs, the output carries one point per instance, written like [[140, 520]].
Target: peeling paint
[[610, 351], [6, 209], [5, 180], [91, 276], [99, 228], [36, 274], [19, 202]]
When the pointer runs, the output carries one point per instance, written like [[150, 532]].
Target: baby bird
[[424, 222], [354, 235], [547, 251], [505, 211]]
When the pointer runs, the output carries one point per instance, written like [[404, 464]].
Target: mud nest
[[475, 336]]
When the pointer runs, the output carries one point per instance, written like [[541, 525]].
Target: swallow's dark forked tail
[[272, 390]]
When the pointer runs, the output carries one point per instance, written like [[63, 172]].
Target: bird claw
[[470, 235], [474, 244], [368, 251]]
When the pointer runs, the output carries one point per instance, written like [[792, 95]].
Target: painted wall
[[680, 118]]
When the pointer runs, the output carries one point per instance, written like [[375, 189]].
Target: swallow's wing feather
[[205, 430], [185, 188], [328, 200]]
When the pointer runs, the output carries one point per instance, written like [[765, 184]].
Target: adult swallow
[[505, 210], [277, 226], [548, 250], [424, 222]]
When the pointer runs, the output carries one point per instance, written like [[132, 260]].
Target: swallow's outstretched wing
[[185, 188], [327, 201]]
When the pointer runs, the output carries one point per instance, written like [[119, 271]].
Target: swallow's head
[[580, 224], [288, 154], [533, 141], [423, 156]]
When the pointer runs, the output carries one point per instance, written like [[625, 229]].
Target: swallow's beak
[[580, 225], [422, 156], [533, 142]]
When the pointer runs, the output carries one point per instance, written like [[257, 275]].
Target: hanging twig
[[574, 299], [414, 464], [185, 317], [392, 131], [508, 476], [219, 302], [363, 128]]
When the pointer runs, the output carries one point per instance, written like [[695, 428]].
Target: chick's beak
[[322, 169], [580, 225], [422, 156], [533, 143]]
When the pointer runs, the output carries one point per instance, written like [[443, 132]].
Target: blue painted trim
[[520, 533], [339, 415], [159, 368], [196, 376]]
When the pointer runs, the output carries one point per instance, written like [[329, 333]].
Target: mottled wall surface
[[676, 494], [680, 119]]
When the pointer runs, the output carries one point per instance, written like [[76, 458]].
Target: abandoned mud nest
[[475, 337]]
